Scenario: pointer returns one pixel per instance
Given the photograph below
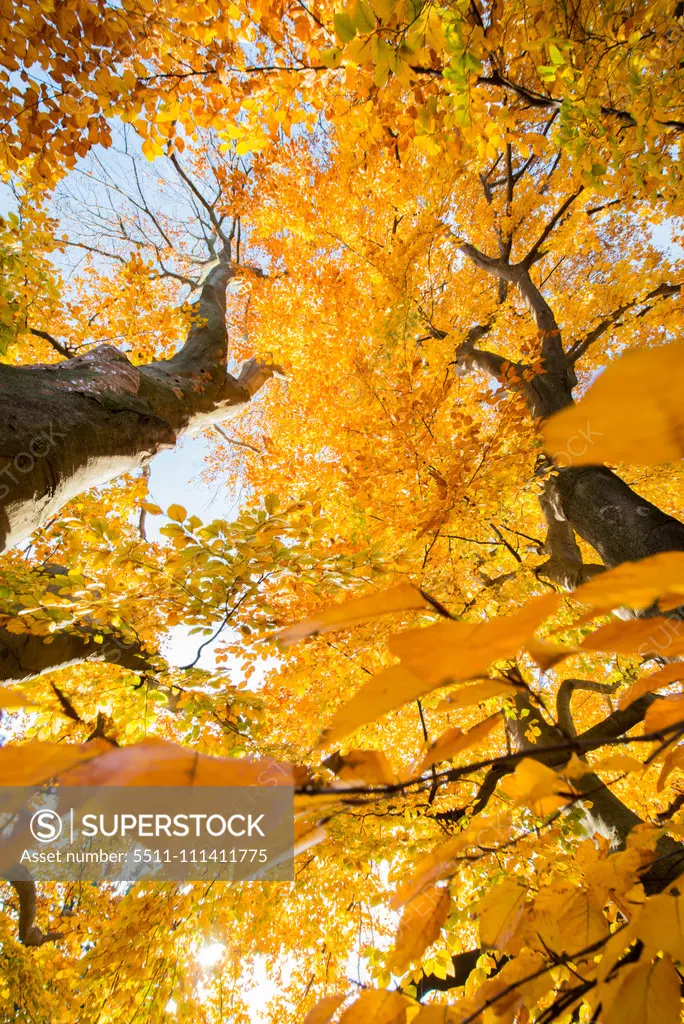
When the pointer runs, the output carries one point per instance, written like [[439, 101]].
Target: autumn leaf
[[473, 693], [370, 767], [460, 650], [324, 1010], [656, 636], [13, 699], [649, 684], [382, 693], [632, 413], [664, 712], [159, 763], [455, 741], [377, 1008], [421, 922], [618, 763], [660, 924], [402, 598], [636, 584], [500, 913], [649, 994], [535, 785], [429, 868], [673, 759], [566, 920], [46, 760], [177, 513]]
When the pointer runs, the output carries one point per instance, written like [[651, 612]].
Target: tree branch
[[577, 350], [58, 346], [564, 698], [25, 888], [536, 251]]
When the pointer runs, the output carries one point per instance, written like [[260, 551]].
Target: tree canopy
[[413, 273]]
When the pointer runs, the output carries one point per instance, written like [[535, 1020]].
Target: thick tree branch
[[565, 565], [24, 656], [25, 888], [58, 346], [537, 250], [564, 698]]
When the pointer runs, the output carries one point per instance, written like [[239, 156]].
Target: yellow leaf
[[499, 914], [438, 1015], [159, 763], [632, 413], [566, 920], [429, 868], [154, 510], [176, 512], [656, 636], [472, 693], [535, 785], [461, 650], [13, 699], [31, 764], [635, 584], [402, 598], [306, 836], [649, 684], [650, 994], [421, 922], [367, 766], [382, 693], [546, 654], [454, 741], [377, 1008], [674, 759], [664, 712], [323, 1011], [660, 924], [618, 763], [151, 149]]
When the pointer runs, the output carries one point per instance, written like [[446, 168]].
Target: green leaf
[[344, 27], [364, 19], [332, 58], [555, 54], [472, 63]]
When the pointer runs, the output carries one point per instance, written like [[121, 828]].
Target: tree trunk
[[619, 524], [80, 423]]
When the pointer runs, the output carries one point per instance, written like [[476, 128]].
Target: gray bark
[[24, 656], [80, 423], [594, 502]]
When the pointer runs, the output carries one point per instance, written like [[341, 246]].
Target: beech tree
[[454, 585]]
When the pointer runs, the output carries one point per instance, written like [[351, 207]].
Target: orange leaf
[[454, 742], [649, 684], [400, 599], [635, 584], [664, 712], [323, 1011], [632, 413], [461, 650]]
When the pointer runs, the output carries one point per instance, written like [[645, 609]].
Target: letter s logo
[[46, 826]]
